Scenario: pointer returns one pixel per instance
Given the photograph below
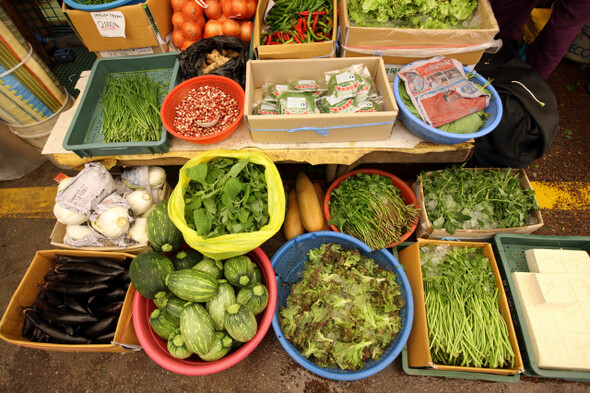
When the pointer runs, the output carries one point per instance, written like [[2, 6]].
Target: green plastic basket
[[84, 135], [430, 372], [510, 251]]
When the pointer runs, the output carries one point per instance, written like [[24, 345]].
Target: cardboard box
[[418, 344], [347, 127], [425, 229], [147, 25], [291, 51], [27, 291], [59, 232], [403, 46]]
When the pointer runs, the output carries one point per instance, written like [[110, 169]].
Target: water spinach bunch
[[131, 108], [345, 309], [225, 196], [463, 198], [370, 208], [465, 326]]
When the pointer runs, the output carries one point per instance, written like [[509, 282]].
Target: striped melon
[[196, 327], [192, 285]]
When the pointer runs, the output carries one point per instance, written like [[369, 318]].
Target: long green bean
[[465, 325]]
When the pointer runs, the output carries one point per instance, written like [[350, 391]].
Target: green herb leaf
[[198, 172]]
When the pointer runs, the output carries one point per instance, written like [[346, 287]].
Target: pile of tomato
[[193, 20]]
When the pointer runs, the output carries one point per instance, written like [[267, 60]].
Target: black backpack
[[529, 122]]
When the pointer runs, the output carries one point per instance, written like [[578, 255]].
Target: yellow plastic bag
[[227, 246]]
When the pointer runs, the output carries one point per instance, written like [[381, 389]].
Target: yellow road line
[[37, 202], [563, 195], [29, 202]]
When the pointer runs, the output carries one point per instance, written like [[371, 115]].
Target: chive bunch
[[131, 108]]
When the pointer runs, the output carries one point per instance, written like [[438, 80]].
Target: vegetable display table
[[401, 147]]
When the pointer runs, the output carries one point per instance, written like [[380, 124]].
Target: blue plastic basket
[[288, 263], [100, 7], [434, 135]]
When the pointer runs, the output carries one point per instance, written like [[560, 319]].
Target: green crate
[[430, 372], [510, 251], [84, 135]]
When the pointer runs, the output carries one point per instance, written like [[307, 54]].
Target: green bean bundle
[[131, 108], [465, 326]]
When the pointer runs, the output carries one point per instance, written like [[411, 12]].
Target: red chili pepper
[[301, 28], [297, 39], [315, 23]]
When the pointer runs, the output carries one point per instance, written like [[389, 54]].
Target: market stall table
[[401, 147]]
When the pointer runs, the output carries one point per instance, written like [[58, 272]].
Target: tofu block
[[559, 331], [546, 260], [580, 286], [555, 289]]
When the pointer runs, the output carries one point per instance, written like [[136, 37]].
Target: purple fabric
[[544, 54]]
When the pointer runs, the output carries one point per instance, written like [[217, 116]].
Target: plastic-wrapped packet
[[297, 103], [265, 108], [349, 81]]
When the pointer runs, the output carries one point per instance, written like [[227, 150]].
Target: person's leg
[[511, 16], [567, 19]]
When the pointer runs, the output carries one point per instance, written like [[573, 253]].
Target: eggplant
[[86, 279], [50, 330], [102, 327], [78, 258], [52, 298], [109, 309], [86, 268], [28, 329], [75, 305], [74, 289], [63, 315], [105, 338]]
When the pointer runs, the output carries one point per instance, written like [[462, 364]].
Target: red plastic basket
[[406, 193], [227, 85], [156, 347]]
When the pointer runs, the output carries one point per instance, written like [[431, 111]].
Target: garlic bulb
[[156, 176], [138, 231], [112, 223], [78, 232], [68, 217], [140, 201]]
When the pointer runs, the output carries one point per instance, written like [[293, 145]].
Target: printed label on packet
[[296, 103], [344, 77]]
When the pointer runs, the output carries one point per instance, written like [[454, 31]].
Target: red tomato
[[231, 27], [192, 11], [191, 31], [177, 4], [212, 28], [213, 10], [177, 20], [246, 31], [178, 38]]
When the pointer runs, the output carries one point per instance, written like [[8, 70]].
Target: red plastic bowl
[[405, 191], [227, 85], [156, 348]]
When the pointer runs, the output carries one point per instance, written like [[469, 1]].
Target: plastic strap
[[19, 64], [323, 131]]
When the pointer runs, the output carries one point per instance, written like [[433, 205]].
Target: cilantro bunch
[[458, 198], [225, 196], [345, 309]]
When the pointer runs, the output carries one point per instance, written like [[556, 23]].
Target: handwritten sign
[[110, 23]]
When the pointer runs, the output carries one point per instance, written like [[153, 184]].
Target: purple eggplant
[[63, 315], [74, 289], [50, 330]]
